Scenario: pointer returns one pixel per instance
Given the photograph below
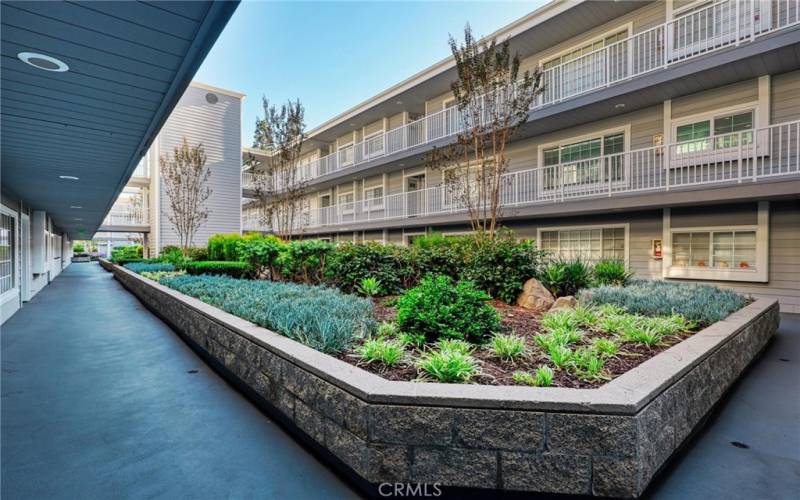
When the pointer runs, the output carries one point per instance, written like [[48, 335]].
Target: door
[[25, 257], [324, 209], [415, 195]]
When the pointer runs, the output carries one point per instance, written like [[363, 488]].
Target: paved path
[[98, 402]]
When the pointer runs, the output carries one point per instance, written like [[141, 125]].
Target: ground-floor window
[[592, 243], [8, 258]]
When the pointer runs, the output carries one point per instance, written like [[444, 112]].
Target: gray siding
[[785, 97], [218, 128]]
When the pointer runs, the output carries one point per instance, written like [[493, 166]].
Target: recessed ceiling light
[[68, 177], [42, 61], [402, 164], [398, 102], [619, 105], [352, 124], [75, 206]]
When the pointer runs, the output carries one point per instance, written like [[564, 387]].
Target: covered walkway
[[100, 399]]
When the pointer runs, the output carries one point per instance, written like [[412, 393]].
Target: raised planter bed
[[609, 441]]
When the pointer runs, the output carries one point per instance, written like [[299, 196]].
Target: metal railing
[[697, 32], [126, 217], [744, 156]]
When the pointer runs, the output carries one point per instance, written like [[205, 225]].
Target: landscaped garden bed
[[632, 369]]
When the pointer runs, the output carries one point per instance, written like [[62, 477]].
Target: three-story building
[[667, 135]]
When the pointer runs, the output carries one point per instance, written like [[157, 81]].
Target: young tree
[[279, 188], [492, 101], [185, 176]]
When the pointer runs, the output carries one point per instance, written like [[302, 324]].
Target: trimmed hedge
[[232, 269], [322, 318], [705, 304]]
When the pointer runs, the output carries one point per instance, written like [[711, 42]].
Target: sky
[[334, 55]]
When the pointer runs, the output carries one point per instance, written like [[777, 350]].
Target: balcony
[[713, 28], [126, 219], [748, 156]]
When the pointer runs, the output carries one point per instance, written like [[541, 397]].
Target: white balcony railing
[[746, 156], [722, 24], [126, 217]]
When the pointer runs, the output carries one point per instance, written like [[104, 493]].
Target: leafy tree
[[492, 101], [185, 176], [279, 188]]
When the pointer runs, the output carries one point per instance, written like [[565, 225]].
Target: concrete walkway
[[100, 399]]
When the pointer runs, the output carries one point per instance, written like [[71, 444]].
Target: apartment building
[[667, 135], [204, 115]]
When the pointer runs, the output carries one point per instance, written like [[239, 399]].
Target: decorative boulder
[[563, 303], [535, 296]]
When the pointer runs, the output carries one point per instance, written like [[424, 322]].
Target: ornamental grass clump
[[386, 352], [588, 364], [704, 304], [149, 267], [448, 366], [319, 317], [508, 347], [611, 272]]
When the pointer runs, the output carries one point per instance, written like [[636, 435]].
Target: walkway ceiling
[[129, 63]]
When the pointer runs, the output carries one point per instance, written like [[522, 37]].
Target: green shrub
[[508, 347], [305, 261], [261, 253], [129, 253], [223, 246], [611, 272], [320, 317], [564, 277], [232, 269], [369, 287], [436, 309], [704, 304], [448, 366], [436, 254], [502, 265], [150, 267], [351, 263], [197, 253], [388, 352], [78, 248]]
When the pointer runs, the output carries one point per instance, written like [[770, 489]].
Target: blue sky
[[334, 55]]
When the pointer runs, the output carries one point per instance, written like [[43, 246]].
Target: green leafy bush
[[448, 366], [305, 261], [262, 254], [352, 263], [436, 309], [436, 254], [502, 265], [369, 287], [611, 272], [78, 248], [129, 253], [319, 317], [224, 247], [150, 267], [232, 269], [704, 304], [564, 277]]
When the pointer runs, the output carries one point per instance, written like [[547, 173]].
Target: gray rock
[[411, 425], [563, 303], [499, 430], [455, 467], [545, 473]]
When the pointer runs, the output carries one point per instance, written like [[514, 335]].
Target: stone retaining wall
[[608, 441]]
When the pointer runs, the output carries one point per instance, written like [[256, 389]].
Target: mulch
[[525, 323]]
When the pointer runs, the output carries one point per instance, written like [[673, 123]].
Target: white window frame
[[365, 201], [375, 154], [759, 275], [340, 204], [626, 147], [341, 148], [626, 226], [14, 292], [625, 26], [714, 155]]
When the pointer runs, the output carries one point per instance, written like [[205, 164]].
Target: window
[[8, 257], [717, 249], [583, 163], [582, 50], [346, 203], [695, 137], [346, 154], [590, 243], [373, 198]]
